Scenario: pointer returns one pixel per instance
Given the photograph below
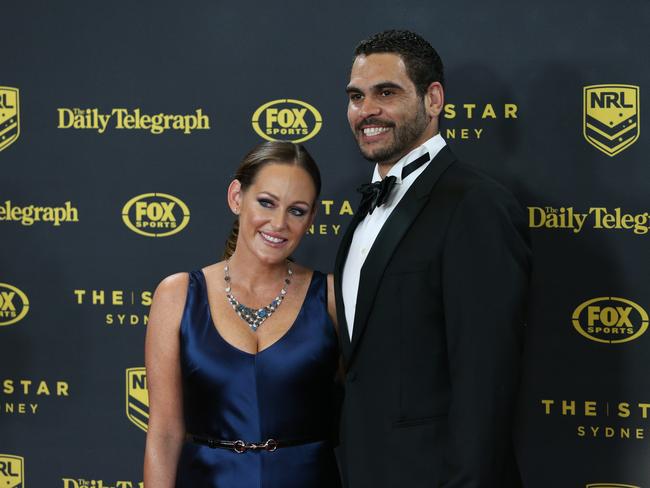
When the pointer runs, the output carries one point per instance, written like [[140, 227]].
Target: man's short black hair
[[423, 65]]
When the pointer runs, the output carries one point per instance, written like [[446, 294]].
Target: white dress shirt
[[368, 229]]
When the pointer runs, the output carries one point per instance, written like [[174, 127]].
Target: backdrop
[[121, 124]]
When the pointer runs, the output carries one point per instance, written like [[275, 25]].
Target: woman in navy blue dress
[[242, 355]]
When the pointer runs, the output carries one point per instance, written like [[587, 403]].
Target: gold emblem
[[611, 117], [9, 116], [287, 120], [14, 304], [12, 471], [610, 320], [137, 397], [156, 214]]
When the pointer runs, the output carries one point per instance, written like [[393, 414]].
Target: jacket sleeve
[[485, 273]]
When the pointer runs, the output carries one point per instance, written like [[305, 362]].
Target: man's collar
[[432, 146]]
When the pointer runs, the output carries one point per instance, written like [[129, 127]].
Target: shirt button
[[364, 251]]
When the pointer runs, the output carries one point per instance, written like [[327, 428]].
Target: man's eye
[[265, 203], [386, 93], [355, 97]]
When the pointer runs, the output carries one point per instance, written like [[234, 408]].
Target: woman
[[242, 355]]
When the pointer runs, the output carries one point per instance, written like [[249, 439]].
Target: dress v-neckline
[[213, 324]]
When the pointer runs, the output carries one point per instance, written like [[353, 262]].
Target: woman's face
[[274, 212]]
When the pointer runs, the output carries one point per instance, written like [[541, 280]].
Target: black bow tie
[[374, 195]]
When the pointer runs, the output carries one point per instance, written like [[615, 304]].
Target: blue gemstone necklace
[[255, 317]]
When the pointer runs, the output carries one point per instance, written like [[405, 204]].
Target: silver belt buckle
[[239, 446]]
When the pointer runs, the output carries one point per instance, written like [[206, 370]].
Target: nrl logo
[[611, 117], [137, 397], [12, 471], [9, 116]]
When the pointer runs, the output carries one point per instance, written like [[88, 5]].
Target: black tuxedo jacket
[[432, 368]]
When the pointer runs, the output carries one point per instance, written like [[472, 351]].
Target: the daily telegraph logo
[[611, 121], [287, 120], [469, 120], [610, 485], [12, 471], [156, 214], [27, 215], [610, 320], [137, 397], [92, 483], [125, 119], [598, 218], [9, 116], [14, 304]]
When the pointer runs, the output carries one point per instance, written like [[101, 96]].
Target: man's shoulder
[[469, 176], [463, 180]]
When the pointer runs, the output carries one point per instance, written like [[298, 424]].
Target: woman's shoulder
[[167, 305], [325, 283], [300, 269], [303, 274], [172, 287], [213, 271]]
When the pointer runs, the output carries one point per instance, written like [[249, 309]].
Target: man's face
[[386, 115]]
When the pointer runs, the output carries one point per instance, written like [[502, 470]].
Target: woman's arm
[[166, 430], [331, 301]]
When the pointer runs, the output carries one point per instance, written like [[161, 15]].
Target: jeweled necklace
[[255, 317]]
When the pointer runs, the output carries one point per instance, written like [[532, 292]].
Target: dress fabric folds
[[285, 392]]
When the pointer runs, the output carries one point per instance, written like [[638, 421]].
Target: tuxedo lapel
[[387, 241], [341, 256]]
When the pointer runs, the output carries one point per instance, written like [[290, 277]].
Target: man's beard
[[404, 137]]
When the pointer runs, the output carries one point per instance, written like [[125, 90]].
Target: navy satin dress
[[285, 392]]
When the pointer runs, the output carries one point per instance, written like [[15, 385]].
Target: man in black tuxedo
[[430, 281]]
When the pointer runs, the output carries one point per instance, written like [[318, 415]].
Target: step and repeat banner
[[121, 124]]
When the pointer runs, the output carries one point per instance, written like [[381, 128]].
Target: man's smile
[[374, 131]]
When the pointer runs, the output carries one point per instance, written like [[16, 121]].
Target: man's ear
[[235, 194], [434, 99]]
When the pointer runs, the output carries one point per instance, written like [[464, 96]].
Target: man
[[430, 288]]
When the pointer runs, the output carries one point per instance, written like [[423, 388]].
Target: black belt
[[240, 446]]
